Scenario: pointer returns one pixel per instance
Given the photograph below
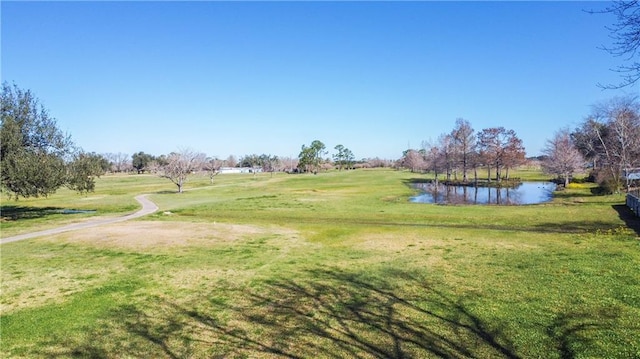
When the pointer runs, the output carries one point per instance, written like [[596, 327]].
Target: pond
[[525, 193]]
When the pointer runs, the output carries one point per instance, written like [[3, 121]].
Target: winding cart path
[[148, 207]]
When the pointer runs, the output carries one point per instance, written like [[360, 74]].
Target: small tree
[[180, 165], [562, 157], [212, 166]]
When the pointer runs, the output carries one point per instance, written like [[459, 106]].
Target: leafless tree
[[464, 144], [562, 157], [500, 148], [378, 162], [120, 162], [289, 164], [413, 160], [270, 163], [182, 164], [448, 154], [433, 158], [231, 161], [625, 34], [489, 148], [212, 166], [154, 167], [513, 153], [615, 128]]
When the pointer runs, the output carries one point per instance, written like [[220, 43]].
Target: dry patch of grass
[[428, 240], [156, 234], [72, 262]]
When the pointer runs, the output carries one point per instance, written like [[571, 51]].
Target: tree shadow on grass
[[15, 212], [331, 313], [570, 331], [166, 192], [630, 219]]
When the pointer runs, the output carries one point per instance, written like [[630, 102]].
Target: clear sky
[[236, 78]]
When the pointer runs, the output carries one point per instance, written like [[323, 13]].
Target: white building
[[240, 170]]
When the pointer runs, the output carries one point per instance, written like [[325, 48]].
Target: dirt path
[[148, 207]]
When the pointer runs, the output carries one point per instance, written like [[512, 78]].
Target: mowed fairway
[[335, 265]]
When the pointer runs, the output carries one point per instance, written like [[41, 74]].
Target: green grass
[[338, 264]]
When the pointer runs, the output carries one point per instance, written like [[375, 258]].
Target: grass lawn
[[333, 265]]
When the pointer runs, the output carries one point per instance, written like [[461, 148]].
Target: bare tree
[[447, 151], [182, 164], [489, 148], [433, 158], [270, 163], [562, 157], [231, 161], [625, 34], [615, 125], [289, 163], [413, 160], [119, 161], [464, 144], [212, 165], [513, 153], [378, 162], [500, 148]]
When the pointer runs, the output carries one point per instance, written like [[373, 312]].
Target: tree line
[[37, 158], [463, 152]]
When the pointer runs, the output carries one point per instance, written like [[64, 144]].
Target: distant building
[[631, 174], [240, 170]]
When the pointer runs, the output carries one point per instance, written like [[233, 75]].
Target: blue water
[[526, 193]]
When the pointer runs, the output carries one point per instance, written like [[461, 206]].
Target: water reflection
[[525, 193]]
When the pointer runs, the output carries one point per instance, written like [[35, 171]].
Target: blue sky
[[236, 78]]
